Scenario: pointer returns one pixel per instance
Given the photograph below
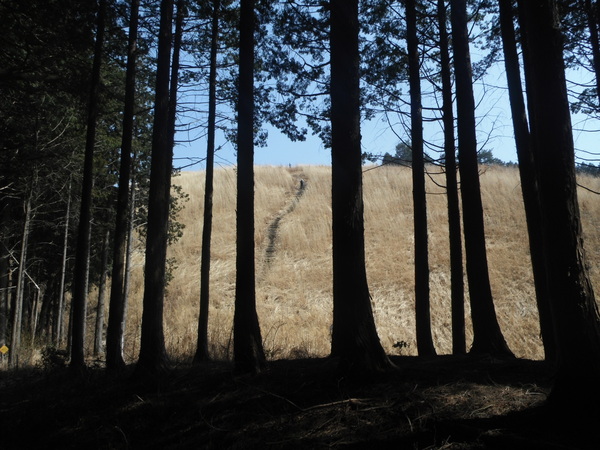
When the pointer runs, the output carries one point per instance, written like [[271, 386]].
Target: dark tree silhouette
[[116, 316], [487, 337], [576, 392], [354, 337], [454, 229], [153, 356], [17, 308], [60, 303], [99, 329], [425, 345], [4, 282], [80, 272], [248, 349], [202, 347], [529, 185]]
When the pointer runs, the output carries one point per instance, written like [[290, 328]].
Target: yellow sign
[[4, 349]]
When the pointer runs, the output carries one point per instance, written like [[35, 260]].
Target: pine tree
[[202, 347], [153, 356], [249, 355], [82, 255], [487, 337], [575, 392], [422, 304], [354, 337], [114, 332]]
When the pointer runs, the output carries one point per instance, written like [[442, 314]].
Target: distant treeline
[[403, 157]]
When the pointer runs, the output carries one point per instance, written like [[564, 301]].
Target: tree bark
[[128, 252], [3, 299], [202, 347], [17, 313], [529, 184], [48, 306], [354, 338], [487, 337], [60, 307], [34, 313], [153, 356], [575, 392], [4, 278], [248, 349], [99, 329], [425, 345], [80, 272], [114, 332], [457, 289]]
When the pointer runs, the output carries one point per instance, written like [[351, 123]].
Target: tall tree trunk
[[128, 253], [17, 313], [202, 348], [425, 345], [457, 289], [248, 349], [487, 337], [35, 310], [529, 184], [99, 330], [4, 278], [60, 306], [3, 299], [114, 332], [153, 355], [69, 328], [575, 392], [48, 306], [80, 272], [354, 338]]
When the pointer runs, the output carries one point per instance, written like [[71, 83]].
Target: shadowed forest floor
[[443, 402]]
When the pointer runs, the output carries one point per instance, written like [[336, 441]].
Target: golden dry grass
[[294, 299]]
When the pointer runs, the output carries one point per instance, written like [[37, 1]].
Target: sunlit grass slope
[[294, 295]]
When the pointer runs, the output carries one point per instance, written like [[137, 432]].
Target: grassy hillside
[[294, 298]]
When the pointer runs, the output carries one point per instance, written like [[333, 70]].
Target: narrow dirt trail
[[273, 228]]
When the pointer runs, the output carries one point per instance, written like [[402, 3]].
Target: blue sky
[[494, 133], [280, 151], [377, 137]]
